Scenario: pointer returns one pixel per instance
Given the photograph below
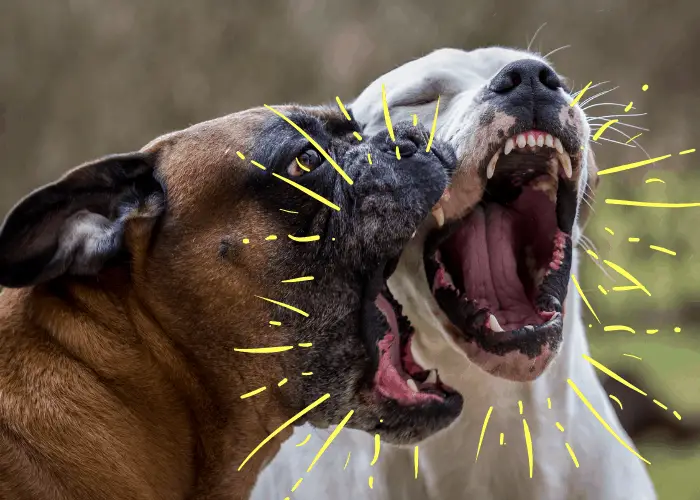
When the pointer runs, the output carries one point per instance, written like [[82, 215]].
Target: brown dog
[[135, 280]]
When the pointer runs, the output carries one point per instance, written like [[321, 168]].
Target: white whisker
[[624, 124], [598, 95], [591, 87], [551, 52], [535, 36], [608, 104], [634, 141], [618, 116], [616, 142]]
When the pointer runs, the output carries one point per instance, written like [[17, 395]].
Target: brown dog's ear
[[75, 225], [590, 190]]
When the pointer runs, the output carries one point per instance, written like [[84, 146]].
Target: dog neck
[[107, 342]]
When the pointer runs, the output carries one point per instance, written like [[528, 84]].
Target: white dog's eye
[[305, 162]]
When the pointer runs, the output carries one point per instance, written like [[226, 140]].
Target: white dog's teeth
[[565, 162], [412, 385], [540, 140], [432, 377], [521, 141], [508, 147], [439, 215], [549, 141], [531, 141], [413, 235], [491, 168], [493, 324], [558, 146]]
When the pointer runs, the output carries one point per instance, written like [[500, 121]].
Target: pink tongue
[[486, 248], [385, 307]]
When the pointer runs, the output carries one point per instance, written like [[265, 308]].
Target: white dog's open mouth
[[500, 274]]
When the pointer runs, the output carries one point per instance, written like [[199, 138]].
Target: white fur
[[448, 469]]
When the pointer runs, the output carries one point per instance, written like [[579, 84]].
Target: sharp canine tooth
[[491, 168], [413, 235], [558, 146], [565, 161], [540, 140], [412, 385], [548, 141], [520, 141], [493, 324], [509, 146], [432, 377], [439, 215], [531, 140]]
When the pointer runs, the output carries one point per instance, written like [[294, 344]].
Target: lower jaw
[[513, 366]]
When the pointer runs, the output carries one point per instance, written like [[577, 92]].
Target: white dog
[[483, 284]]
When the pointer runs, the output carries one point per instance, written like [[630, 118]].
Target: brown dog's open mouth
[[501, 273]]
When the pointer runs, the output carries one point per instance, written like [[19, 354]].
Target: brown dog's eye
[[305, 162]]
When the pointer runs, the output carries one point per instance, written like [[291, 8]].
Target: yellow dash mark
[[573, 455], [625, 288], [255, 163], [284, 426], [603, 128], [583, 296], [645, 87], [677, 415], [347, 461], [376, 449], [371, 482], [662, 249], [357, 136], [610, 231], [288, 211], [629, 106], [306, 374], [387, 116], [602, 290], [631, 203], [549, 403], [602, 421], [652, 332], [659, 403], [592, 254], [432, 129], [303, 167], [271, 237], [633, 240], [415, 119], [305, 344], [633, 356], [398, 153], [287, 306], [520, 407], [369, 158], [687, 151], [304, 239], [613, 375], [304, 190], [240, 155], [528, 443], [297, 484], [246, 241], [265, 350], [677, 329], [415, 462], [253, 393], [275, 323], [500, 441], [618, 328], [614, 398], [330, 439], [629, 166], [483, 431], [282, 382], [580, 94], [654, 179], [627, 275], [342, 108], [313, 143], [559, 426], [632, 138], [299, 280]]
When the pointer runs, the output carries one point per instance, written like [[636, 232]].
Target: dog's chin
[[500, 273]]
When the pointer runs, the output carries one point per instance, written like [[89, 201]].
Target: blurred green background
[[83, 78]]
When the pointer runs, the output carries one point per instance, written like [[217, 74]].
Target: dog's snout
[[525, 74]]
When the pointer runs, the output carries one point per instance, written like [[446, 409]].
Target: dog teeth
[[558, 146], [432, 377], [445, 195], [493, 324], [521, 141], [508, 147], [565, 161], [531, 141], [549, 141], [540, 140], [439, 215], [412, 385], [491, 168], [413, 235]]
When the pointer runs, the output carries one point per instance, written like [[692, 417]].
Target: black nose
[[525, 73]]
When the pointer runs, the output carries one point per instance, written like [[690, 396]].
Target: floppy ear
[[590, 190], [75, 225]]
